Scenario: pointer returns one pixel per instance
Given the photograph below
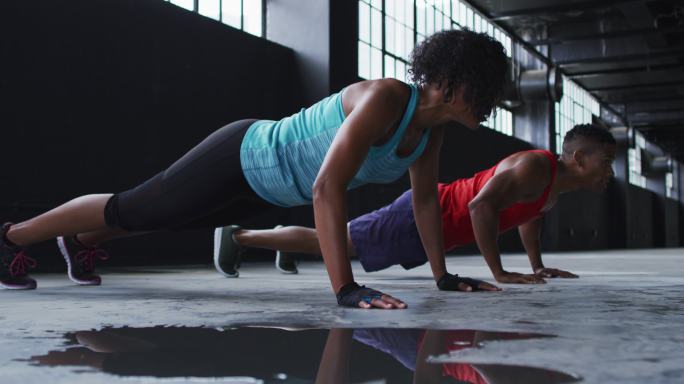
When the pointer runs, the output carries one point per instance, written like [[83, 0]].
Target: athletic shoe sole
[[279, 255], [218, 238], [18, 287], [61, 244]]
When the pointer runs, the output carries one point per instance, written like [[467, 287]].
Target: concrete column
[[304, 26]]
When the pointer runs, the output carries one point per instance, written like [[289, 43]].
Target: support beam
[[558, 8], [646, 106], [635, 86], [644, 99], [556, 40], [677, 51], [670, 128], [643, 68], [514, 35]]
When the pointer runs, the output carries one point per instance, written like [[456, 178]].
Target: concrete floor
[[621, 322]]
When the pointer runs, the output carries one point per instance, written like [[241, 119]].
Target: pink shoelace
[[88, 256], [20, 263]]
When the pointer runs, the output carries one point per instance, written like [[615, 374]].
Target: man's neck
[[566, 180]]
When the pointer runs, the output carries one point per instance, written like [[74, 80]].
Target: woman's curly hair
[[457, 58]]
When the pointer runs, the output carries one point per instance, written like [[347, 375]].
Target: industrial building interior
[[98, 95]]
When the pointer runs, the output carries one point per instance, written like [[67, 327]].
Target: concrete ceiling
[[628, 53]]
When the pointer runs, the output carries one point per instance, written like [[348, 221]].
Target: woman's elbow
[[324, 190]]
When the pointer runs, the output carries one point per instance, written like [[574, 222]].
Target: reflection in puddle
[[271, 355]]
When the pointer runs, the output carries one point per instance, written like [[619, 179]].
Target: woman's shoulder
[[389, 90]]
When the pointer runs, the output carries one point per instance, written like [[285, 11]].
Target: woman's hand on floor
[[449, 282], [354, 295]]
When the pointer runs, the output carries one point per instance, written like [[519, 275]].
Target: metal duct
[[541, 84], [660, 164], [534, 85], [623, 136]]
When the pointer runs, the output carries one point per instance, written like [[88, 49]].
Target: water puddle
[[274, 355]]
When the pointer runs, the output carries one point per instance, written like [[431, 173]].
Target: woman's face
[[462, 113], [469, 120]]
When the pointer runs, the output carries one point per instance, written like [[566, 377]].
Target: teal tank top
[[281, 159]]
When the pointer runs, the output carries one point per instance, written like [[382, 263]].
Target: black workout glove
[[350, 295], [449, 282]]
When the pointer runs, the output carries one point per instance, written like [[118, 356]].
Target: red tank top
[[454, 199]]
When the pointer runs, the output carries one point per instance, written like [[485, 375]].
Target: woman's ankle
[[9, 236]]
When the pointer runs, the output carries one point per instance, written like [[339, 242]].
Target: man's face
[[597, 166]]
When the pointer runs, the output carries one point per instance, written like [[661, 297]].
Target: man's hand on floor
[[518, 278], [554, 272]]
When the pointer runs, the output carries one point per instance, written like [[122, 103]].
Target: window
[[246, 15], [501, 121], [635, 176], [388, 34], [672, 182], [576, 107]]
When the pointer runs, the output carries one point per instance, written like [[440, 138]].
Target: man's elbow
[[479, 207]]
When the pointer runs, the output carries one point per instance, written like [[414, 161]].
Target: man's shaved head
[[586, 137]]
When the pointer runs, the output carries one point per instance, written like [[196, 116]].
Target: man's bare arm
[[524, 181], [530, 234]]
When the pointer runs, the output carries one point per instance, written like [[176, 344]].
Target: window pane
[[462, 15], [376, 28], [389, 66], [400, 35], [187, 4], [364, 22], [401, 71], [389, 35], [389, 9], [438, 22], [499, 118], [429, 20], [252, 16], [400, 10], [376, 63], [420, 18], [469, 18], [454, 10], [210, 8], [364, 60], [408, 20], [408, 40], [230, 13]]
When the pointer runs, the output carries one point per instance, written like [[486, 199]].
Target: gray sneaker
[[285, 262], [227, 252]]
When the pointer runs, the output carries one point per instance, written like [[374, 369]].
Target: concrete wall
[[304, 26], [99, 95]]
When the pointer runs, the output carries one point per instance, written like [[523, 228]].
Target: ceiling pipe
[[624, 136], [534, 85]]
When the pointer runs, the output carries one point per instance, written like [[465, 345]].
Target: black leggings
[[203, 189]]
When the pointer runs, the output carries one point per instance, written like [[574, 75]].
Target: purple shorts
[[388, 236]]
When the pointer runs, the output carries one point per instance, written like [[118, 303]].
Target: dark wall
[[583, 220], [98, 95]]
